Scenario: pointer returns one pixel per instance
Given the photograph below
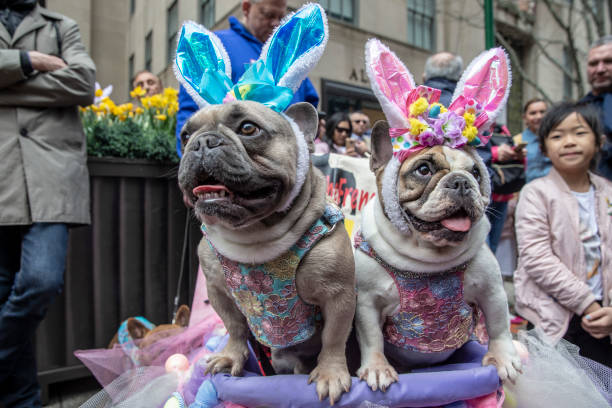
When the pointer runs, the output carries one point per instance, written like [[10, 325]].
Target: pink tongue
[[462, 224]]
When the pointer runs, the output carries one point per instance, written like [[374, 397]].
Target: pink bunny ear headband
[[415, 117]]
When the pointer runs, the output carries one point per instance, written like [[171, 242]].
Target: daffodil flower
[[102, 93]]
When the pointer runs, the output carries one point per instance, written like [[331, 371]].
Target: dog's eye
[[476, 173], [248, 129], [423, 170]]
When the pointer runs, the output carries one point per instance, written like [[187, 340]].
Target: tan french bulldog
[[258, 195], [422, 266]]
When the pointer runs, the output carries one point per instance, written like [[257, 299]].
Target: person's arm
[[58, 87], [533, 236], [187, 107]]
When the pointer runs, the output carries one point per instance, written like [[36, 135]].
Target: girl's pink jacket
[[550, 280]]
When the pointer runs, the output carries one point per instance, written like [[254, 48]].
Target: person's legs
[[35, 284], [497, 216]]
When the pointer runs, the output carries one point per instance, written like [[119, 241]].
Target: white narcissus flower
[[102, 93]]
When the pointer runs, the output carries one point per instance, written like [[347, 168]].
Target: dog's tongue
[[461, 224]]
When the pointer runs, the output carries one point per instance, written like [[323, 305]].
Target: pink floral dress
[[433, 315], [266, 293]]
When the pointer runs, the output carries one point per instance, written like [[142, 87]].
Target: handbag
[[507, 177]]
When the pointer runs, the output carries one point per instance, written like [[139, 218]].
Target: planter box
[[126, 263]]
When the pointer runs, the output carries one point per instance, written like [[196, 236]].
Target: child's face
[[571, 145]]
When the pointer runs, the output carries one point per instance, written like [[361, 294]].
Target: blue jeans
[[497, 216], [32, 263]]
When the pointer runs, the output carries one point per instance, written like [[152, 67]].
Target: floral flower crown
[[417, 120]]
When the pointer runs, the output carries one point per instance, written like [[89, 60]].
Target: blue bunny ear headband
[[203, 67]]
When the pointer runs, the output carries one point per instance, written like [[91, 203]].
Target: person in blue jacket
[[243, 42]]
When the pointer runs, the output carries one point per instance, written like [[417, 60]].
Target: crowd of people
[[552, 184]]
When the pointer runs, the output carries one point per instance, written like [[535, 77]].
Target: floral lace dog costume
[[266, 293], [433, 315]]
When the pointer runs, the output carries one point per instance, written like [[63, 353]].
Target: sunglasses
[[343, 130], [360, 121]]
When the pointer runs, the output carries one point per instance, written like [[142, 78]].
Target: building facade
[[126, 36]]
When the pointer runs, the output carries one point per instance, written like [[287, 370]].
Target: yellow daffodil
[[419, 106], [161, 117], [137, 92]]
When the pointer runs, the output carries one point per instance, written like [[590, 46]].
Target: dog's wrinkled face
[[443, 192], [239, 162]]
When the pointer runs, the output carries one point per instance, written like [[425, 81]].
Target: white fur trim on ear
[[298, 70], [390, 197], [474, 67], [393, 113], [303, 164], [219, 46]]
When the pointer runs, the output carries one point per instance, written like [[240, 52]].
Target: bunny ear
[[296, 46], [391, 81], [486, 82], [202, 65]]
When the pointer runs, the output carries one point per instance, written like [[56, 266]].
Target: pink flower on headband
[[450, 126]]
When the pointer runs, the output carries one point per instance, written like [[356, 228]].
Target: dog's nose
[[208, 142], [460, 184]]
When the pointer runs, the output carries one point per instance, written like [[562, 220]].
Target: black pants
[[599, 350]]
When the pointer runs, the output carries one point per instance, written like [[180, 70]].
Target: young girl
[[563, 282]]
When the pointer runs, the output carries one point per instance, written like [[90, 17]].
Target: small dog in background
[[422, 265], [137, 333]]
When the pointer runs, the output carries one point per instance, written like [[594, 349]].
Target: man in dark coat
[[442, 71], [599, 74], [45, 73]]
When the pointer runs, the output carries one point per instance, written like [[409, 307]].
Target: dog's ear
[[182, 316], [307, 119], [136, 329], [381, 145]]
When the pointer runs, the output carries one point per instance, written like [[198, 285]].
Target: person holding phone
[[338, 132], [537, 164]]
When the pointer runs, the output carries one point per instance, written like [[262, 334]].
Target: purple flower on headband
[[431, 138], [450, 125]]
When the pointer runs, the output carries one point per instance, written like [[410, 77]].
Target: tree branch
[[516, 65]]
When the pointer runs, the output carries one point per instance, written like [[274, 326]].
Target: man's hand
[[506, 153], [598, 323], [361, 148], [45, 62]]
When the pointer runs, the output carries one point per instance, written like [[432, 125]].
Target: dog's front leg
[[235, 353], [375, 369], [331, 286], [376, 293], [483, 282]]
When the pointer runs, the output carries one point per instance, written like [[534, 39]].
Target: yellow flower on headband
[[416, 126], [470, 132], [419, 106], [469, 118]]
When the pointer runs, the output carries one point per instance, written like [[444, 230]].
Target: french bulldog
[[256, 193], [424, 272]]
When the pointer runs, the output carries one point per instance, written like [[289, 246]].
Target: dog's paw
[[231, 359], [502, 354], [378, 373], [332, 380]]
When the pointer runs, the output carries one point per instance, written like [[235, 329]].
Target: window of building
[[130, 71], [149, 51], [132, 6], [340, 9], [207, 13], [568, 82], [172, 28], [421, 19]]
